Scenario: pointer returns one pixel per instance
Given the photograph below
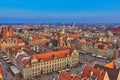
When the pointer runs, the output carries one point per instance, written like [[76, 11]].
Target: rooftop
[[112, 73], [90, 72], [65, 76]]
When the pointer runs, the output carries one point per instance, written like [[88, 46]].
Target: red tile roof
[[35, 38], [18, 47], [98, 73], [65, 76], [49, 56], [116, 29], [25, 62], [18, 40], [112, 73]]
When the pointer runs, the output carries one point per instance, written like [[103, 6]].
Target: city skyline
[[79, 11]]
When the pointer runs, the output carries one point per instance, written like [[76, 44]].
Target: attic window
[[41, 60], [66, 55], [54, 57]]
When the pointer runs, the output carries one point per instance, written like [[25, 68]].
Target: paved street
[[8, 75], [6, 71], [90, 60]]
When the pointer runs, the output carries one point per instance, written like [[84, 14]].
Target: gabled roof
[[110, 65], [88, 72], [112, 73], [65, 76]]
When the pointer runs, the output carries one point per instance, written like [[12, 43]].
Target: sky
[[65, 11]]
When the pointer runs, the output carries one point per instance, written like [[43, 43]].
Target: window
[[33, 65]]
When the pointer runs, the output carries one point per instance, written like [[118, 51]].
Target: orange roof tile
[[110, 65], [18, 47], [87, 73], [66, 76], [76, 78], [15, 39], [20, 41], [35, 37], [49, 56], [112, 73], [25, 62]]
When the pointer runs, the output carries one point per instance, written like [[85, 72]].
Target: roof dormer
[[34, 59]]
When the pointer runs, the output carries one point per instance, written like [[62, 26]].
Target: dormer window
[[54, 57], [34, 59], [67, 55], [41, 60]]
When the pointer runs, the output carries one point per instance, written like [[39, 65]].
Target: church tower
[[10, 29], [7, 32], [61, 40], [4, 32]]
